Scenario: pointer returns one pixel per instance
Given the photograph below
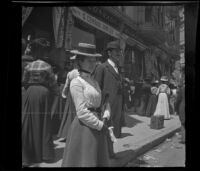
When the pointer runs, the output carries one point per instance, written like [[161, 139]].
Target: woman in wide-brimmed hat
[[69, 110], [162, 107], [86, 141]]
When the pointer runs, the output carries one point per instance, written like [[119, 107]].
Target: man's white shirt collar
[[113, 65]]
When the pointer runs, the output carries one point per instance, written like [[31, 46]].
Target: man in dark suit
[[110, 81]]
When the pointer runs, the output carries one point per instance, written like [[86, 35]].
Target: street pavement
[[170, 153], [137, 138]]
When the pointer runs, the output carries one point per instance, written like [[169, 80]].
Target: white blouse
[[86, 94], [163, 88]]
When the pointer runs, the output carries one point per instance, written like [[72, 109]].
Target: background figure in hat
[[180, 105], [151, 107], [172, 97], [145, 94], [162, 107], [86, 144], [41, 87], [69, 110], [110, 81], [58, 58]]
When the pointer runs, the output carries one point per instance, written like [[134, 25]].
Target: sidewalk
[[137, 138]]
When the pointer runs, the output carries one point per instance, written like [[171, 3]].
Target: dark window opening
[[148, 13]]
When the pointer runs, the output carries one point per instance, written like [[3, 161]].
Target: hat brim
[[73, 57], [163, 80], [85, 54]]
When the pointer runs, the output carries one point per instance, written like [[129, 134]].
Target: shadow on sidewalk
[[131, 121], [125, 135], [122, 158], [137, 163]]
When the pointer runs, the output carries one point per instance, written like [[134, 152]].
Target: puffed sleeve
[[71, 75], [86, 116]]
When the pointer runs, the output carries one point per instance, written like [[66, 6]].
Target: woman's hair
[[39, 47], [79, 59]]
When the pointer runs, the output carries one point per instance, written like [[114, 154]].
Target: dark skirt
[[68, 116], [140, 110], [57, 112], [37, 142], [85, 147], [151, 107]]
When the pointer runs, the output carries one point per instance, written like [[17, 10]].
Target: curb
[[144, 148], [141, 150]]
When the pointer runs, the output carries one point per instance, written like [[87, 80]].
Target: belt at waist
[[98, 110]]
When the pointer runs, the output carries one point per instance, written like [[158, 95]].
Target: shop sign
[[103, 14], [26, 11], [95, 22], [82, 15]]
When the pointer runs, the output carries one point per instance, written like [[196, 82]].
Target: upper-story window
[[148, 13], [122, 9]]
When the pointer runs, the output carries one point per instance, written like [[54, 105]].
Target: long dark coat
[[57, 111], [37, 142], [151, 107], [180, 104], [144, 98], [111, 83]]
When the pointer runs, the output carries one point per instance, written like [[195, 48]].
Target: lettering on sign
[[95, 22], [100, 25]]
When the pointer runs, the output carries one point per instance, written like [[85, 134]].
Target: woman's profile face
[[89, 63]]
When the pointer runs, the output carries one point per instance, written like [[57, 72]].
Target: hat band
[[87, 50]]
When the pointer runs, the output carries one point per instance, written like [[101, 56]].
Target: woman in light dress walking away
[[162, 107]]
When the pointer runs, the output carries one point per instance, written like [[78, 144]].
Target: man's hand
[[106, 114]]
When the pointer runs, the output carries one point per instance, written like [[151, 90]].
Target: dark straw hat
[[86, 50], [113, 45], [164, 78]]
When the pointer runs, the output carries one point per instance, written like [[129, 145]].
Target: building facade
[[147, 33], [182, 35]]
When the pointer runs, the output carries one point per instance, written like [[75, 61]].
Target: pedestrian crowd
[[84, 104]]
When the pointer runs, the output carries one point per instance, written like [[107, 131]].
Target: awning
[[26, 11], [151, 34]]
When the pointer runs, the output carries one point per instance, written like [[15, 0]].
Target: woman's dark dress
[[151, 107], [37, 143], [57, 111], [41, 88]]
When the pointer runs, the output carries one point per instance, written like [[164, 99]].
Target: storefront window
[[79, 35], [148, 13]]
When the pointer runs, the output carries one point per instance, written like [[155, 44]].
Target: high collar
[[110, 61], [85, 73]]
